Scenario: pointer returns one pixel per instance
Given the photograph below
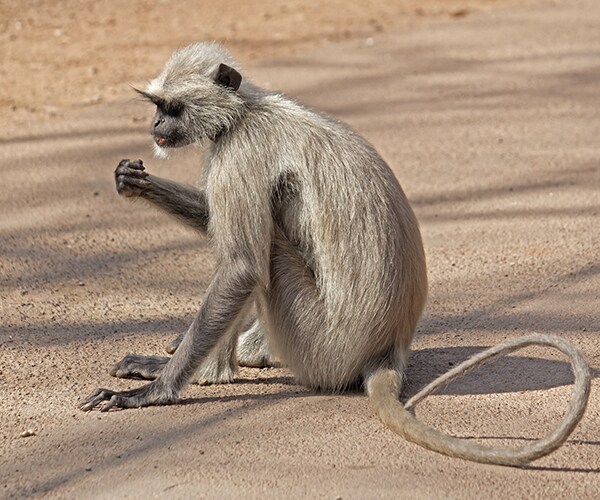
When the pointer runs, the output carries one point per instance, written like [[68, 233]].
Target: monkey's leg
[[186, 203], [225, 305], [252, 348], [220, 366], [301, 334], [252, 351], [297, 317]]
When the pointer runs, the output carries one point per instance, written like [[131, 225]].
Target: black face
[[168, 127]]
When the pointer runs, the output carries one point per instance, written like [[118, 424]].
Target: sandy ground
[[58, 53], [490, 121]]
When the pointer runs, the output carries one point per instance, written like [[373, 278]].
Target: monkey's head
[[196, 96]]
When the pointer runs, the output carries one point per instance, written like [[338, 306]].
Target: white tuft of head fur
[[187, 65], [154, 86]]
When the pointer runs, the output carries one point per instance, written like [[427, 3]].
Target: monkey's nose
[[160, 141]]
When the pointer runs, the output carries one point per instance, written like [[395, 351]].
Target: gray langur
[[312, 230]]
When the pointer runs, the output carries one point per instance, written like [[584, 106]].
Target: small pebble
[[27, 433]]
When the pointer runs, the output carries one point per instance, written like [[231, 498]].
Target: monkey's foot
[[174, 344], [147, 395], [135, 366], [215, 371], [253, 351], [130, 178]]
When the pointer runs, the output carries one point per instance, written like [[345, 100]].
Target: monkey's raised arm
[[186, 203]]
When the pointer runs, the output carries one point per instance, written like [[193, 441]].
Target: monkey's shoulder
[[277, 126]]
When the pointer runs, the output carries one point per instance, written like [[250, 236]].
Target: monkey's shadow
[[507, 374]]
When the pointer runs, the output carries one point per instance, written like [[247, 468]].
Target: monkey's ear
[[228, 77]]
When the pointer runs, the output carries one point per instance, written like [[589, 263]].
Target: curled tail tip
[[383, 386]]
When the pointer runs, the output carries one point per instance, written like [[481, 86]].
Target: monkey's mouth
[[164, 142], [172, 141], [167, 142]]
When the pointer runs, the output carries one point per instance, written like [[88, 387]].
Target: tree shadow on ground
[[493, 316]]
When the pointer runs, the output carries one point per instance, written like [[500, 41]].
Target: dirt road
[[491, 123]]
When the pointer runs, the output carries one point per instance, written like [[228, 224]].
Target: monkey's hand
[[130, 178], [148, 395]]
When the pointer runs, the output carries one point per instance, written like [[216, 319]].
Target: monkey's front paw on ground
[[130, 178], [147, 395]]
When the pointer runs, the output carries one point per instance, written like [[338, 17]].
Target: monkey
[[311, 229]]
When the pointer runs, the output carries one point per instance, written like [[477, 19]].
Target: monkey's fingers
[[133, 398], [147, 395], [131, 185], [95, 398], [136, 366], [136, 164], [123, 400], [130, 172]]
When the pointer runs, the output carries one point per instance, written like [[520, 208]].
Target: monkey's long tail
[[383, 388]]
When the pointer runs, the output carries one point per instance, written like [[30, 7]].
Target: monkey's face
[[169, 128]]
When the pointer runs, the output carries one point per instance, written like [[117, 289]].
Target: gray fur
[[308, 224]]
